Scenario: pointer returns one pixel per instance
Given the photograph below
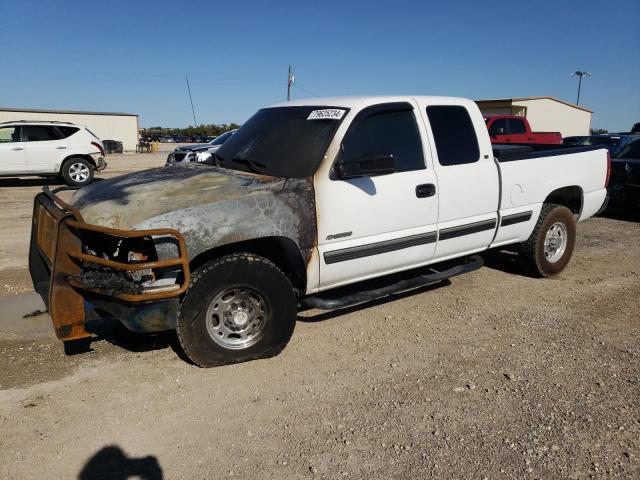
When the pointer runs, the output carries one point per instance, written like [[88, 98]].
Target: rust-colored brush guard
[[54, 235]]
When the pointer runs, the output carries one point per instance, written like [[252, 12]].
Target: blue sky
[[133, 56]]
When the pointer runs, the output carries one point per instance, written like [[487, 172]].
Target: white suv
[[32, 148]]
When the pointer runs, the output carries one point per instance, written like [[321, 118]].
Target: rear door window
[[384, 131], [453, 134], [517, 126], [40, 133]]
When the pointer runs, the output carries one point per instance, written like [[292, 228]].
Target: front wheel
[[239, 307], [548, 250], [77, 172]]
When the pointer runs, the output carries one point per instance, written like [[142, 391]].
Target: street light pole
[[580, 74]]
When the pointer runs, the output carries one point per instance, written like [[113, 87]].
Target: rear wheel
[[239, 307], [549, 248], [77, 172]]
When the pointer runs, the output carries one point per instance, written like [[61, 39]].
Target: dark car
[[614, 142], [624, 186]]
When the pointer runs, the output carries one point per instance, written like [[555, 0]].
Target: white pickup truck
[[306, 198]]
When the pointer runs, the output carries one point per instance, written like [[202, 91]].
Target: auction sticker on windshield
[[327, 114]]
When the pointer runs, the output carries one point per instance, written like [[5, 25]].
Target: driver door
[[373, 225]]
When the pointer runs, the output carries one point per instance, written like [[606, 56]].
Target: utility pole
[[195, 124], [580, 74], [290, 79]]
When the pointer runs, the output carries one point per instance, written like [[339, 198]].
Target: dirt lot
[[491, 375]]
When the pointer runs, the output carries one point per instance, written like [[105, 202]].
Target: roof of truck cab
[[359, 101]]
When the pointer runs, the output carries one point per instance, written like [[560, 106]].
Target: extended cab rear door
[[372, 225], [468, 180]]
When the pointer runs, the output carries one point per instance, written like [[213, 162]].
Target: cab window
[[498, 127], [453, 134], [385, 130], [517, 126]]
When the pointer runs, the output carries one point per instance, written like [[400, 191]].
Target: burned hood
[[126, 201]]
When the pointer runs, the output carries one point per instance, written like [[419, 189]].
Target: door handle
[[425, 190], [61, 148], [16, 149]]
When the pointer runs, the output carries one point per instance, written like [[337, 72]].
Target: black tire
[[532, 252], [231, 272], [71, 168]]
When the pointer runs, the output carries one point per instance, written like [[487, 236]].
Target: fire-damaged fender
[[286, 211]]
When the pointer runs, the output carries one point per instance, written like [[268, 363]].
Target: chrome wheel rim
[[555, 242], [237, 317], [79, 172]]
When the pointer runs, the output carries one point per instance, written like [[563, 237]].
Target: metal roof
[[76, 112], [544, 97]]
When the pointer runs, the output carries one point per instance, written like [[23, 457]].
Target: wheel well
[[570, 197], [280, 250], [71, 157]]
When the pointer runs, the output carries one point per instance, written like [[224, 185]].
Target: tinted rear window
[[40, 133], [67, 131], [454, 134]]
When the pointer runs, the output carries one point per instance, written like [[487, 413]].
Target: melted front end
[[83, 270]]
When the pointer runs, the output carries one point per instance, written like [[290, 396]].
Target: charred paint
[[208, 205]]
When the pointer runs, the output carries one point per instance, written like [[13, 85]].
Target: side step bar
[[326, 302]]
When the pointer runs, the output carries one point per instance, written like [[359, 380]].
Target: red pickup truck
[[515, 129]]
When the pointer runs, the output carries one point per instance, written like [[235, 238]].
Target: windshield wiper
[[255, 167]]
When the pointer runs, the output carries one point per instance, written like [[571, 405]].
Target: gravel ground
[[491, 375]]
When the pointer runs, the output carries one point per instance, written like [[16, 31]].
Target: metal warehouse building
[[546, 114], [122, 127]]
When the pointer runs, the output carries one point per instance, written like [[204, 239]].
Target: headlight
[[203, 156]]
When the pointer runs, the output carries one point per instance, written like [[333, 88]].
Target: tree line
[[205, 130]]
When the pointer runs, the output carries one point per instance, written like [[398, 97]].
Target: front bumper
[[57, 257]]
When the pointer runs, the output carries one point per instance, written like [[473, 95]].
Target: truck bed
[[508, 152]]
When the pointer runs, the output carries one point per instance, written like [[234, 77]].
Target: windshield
[[282, 141], [220, 139]]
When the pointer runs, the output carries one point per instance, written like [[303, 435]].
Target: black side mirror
[[372, 166]]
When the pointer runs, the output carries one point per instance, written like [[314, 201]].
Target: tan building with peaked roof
[[545, 114]]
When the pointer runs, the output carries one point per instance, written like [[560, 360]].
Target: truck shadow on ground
[[112, 331], [112, 463], [504, 261], [619, 214]]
